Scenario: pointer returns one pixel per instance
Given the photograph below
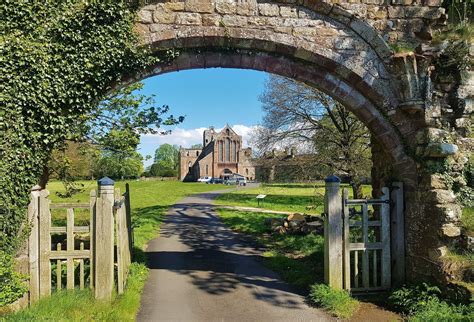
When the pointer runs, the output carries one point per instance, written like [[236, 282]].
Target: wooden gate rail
[[366, 248], [375, 260], [123, 233], [40, 282], [109, 231]]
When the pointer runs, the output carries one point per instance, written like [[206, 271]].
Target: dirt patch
[[372, 312]]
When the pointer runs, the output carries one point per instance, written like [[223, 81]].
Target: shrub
[[410, 299], [436, 310], [422, 303], [338, 302], [12, 284]]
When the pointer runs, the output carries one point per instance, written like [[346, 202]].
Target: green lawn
[[149, 201], [305, 198]]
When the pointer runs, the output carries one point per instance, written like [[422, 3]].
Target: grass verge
[[297, 258], [304, 198], [337, 302]]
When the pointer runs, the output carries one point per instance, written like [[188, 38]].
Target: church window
[[221, 151], [227, 150], [197, 153], [207, 169], [234, 151]]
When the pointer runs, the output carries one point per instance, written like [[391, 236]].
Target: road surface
[[202, 271]]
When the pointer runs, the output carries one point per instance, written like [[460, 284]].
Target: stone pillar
[[104, 241], [333, 252]]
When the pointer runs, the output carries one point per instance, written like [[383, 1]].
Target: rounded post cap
[[332, 179], [106, 181]]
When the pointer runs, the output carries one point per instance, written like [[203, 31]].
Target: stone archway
[[340, 48]]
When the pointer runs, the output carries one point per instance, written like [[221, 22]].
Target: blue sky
[[205, 97]]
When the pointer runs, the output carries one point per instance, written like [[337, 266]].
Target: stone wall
[[357, 51]]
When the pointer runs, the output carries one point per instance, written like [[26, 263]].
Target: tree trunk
[[43, 181], [356, 189]]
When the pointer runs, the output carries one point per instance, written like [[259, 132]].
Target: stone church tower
[[222, 156]]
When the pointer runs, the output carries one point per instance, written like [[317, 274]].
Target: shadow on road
[[218, 260]]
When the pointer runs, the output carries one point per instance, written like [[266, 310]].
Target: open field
[[149, 200], [304, 198]]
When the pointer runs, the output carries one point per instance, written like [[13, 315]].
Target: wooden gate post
[[33, 247], [398, 234], [333, 245], [104, 241]]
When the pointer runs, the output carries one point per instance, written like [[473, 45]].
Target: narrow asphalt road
[[202, 271]]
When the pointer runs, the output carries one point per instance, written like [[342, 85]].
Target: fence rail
[[73, 256]]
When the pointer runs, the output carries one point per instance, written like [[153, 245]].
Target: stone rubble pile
[[296, 224]]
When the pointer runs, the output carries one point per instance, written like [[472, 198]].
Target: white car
[[204, 179]]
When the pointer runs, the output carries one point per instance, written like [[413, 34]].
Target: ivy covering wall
[[58, 60]]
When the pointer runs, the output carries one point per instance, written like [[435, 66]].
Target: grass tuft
[[337, 302]]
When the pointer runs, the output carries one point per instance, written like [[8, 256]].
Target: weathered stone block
[[283, 30], [377, 12], [258, 21], [211, 20], [436, 253], [226, 6], [145, 16], [160, 16], [442, 196], [288, 12], [415, 12], [202, 6], [174, 6], [247, 7], [187, 18], [434, 182], [432, 3], [449, 212], [268, 9], [441, 150], [450, 230], [234, 21]]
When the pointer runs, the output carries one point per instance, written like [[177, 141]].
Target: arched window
[[221, 151], [197, 153], [227, 150], [190, 166], [234, 151], [207, 169], [247, 171]]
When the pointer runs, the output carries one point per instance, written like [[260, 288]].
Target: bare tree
[[296, 114]]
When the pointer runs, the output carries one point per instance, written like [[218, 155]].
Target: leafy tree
[[296, 114], [166, 161], [197, 146], [116, 125], [117, 165]]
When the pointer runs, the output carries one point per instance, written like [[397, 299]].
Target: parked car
[[215, 181], [241, 181], [204, 179], [231, 181]]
